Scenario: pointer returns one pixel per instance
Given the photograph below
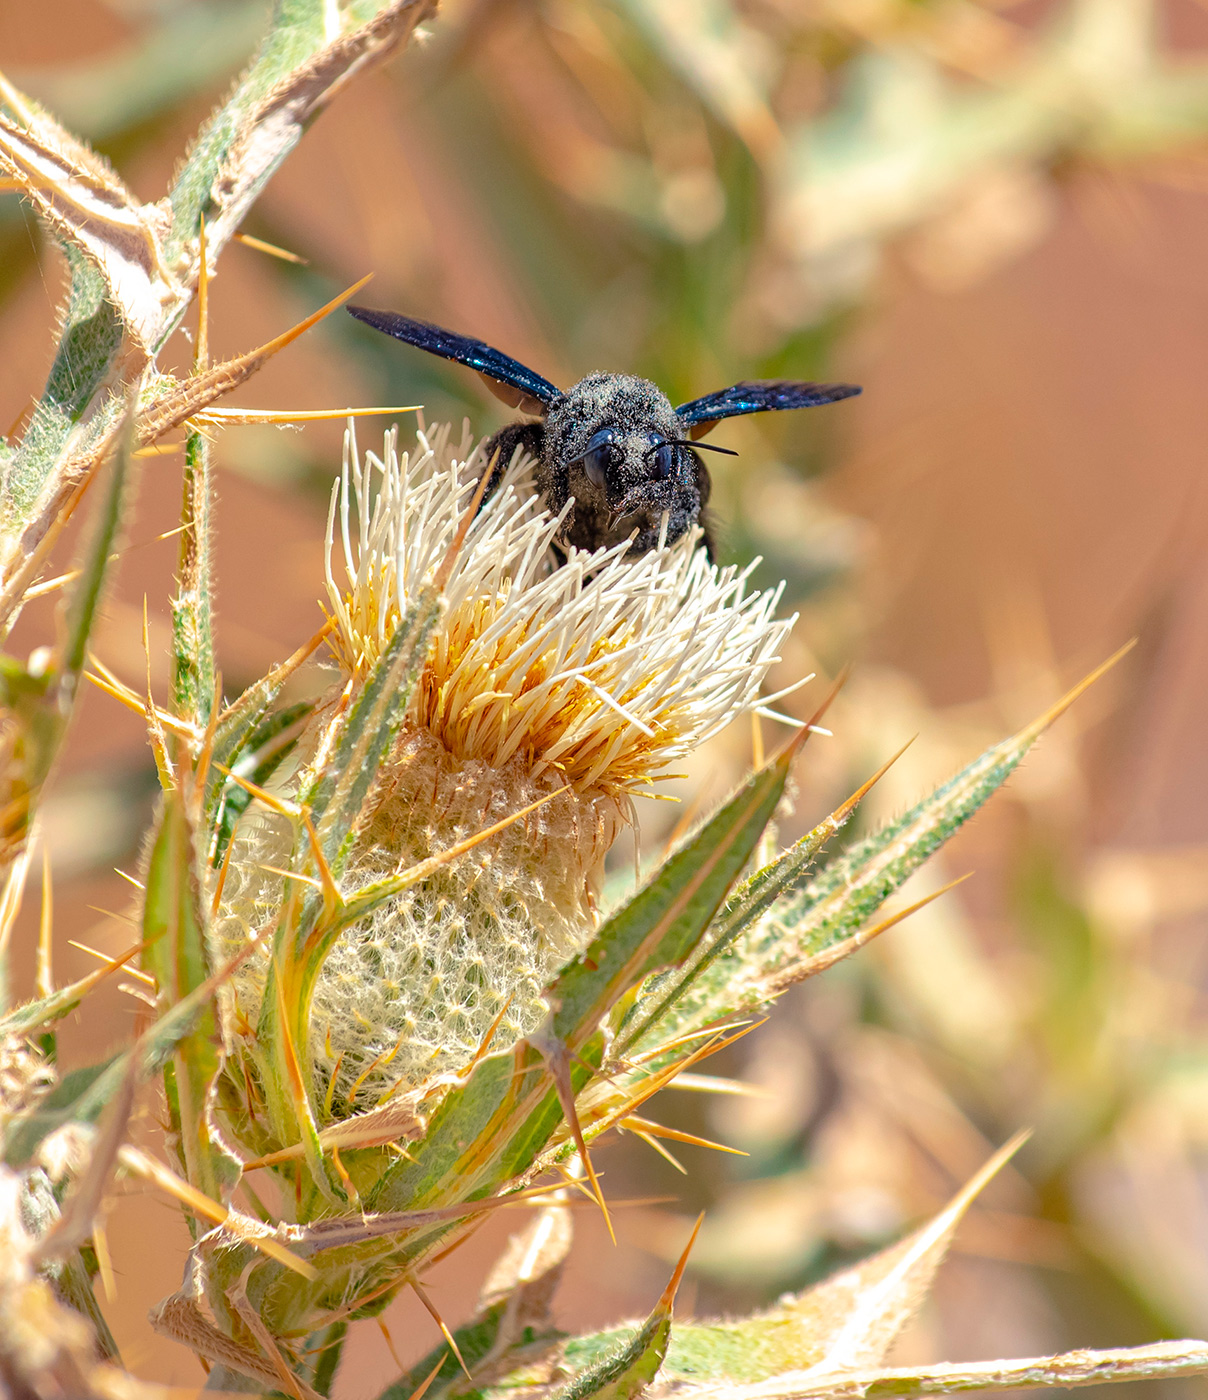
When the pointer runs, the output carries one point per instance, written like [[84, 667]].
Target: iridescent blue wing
[[534, 393], [758, 396]]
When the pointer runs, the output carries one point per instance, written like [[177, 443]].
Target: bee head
[[614, 443]]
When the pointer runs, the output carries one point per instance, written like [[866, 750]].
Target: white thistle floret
[[607, 669], [584, 680]]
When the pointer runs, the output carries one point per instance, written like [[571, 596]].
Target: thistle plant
[[390, 995], [552, 694]]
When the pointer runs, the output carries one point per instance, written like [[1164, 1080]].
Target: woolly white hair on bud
[[592, 676]]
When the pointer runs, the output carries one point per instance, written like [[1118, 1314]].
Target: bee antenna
[[702, 446]]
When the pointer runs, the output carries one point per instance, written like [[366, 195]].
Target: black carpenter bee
[[613, 441]]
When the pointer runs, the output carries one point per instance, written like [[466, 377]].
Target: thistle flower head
[[577, 683], [606, 669]]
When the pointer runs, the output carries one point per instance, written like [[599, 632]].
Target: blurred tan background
[[995, 217]]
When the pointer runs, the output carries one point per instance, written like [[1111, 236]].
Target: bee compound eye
[[663, 461], [595, 464], [601, 454]]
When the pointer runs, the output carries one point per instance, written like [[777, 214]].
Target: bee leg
[[704, 488], [528, 437]]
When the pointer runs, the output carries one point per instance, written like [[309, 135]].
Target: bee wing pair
[[522, 388]]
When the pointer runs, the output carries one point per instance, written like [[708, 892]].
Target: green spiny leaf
[[626, 1372], [82, 1095], [91, 336], [259, 753], [86, 594], [192, 622], [335, 797], [41, 706], [34, 1015], [809, 930], [848, 1321], [845, 1324], [247, 724], [661, 924], [176, 952], [748, 902]]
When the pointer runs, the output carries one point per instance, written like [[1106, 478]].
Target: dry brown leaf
[[846, 1324], [276, 123], [46, 1348], [1070, 1368], [86, 204], [526, 1274], [862, 1310]]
